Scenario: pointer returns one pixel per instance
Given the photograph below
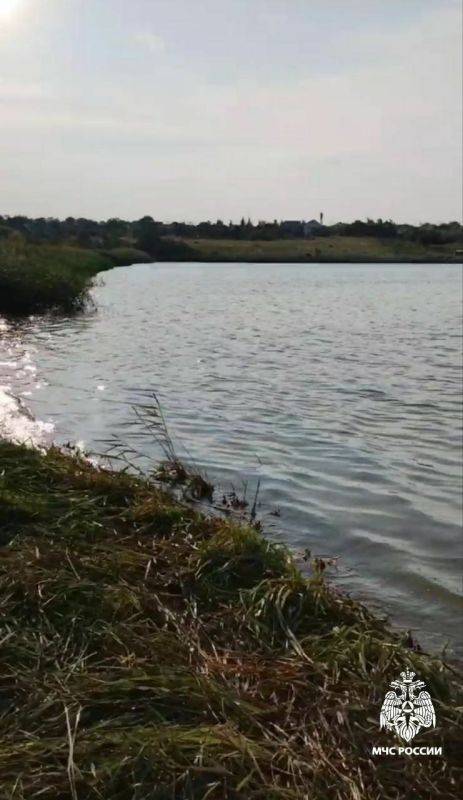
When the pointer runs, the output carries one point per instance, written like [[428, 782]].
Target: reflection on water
[[337, 386]]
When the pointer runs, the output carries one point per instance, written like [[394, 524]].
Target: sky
[[218, 109]]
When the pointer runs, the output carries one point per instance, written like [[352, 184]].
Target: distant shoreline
[[321, 250], [350, 261]]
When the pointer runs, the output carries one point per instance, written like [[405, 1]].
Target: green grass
[[147, 651], [36, 278], [328, 249]]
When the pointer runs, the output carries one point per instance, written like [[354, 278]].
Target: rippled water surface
[[338, 386]]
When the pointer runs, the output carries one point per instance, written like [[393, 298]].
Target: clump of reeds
[[147, 651], [36, 278], [172, 470]]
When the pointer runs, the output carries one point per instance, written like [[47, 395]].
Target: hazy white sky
[[211, 109]]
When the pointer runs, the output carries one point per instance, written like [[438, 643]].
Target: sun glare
[[8, 7]]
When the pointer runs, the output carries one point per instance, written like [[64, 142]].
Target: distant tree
[[113, 231], [147, 233]]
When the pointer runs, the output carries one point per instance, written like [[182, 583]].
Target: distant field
[[334, 248]]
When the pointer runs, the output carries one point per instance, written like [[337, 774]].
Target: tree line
[[153, 236]]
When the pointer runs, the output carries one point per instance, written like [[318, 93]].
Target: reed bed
[[148, 651], [37, 278]]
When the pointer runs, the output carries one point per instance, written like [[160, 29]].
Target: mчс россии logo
[[407, 708]]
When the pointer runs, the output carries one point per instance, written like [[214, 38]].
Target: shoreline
[[161, 635], [39, 278], [256, 260]]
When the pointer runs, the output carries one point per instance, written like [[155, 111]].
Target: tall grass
[[147, 651], [36, 278]]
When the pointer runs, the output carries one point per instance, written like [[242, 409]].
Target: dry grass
[[149, 652], [329, 249]]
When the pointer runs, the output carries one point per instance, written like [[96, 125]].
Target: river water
[[338, 387]]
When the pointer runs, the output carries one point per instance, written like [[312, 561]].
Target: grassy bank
[[39, 277], [150, 652], [36, 278], [324, 249]]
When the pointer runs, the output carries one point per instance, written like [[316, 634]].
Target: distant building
[[312, 227], [293, 227]]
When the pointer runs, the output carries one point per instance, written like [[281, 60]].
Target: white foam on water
[[17, 423]]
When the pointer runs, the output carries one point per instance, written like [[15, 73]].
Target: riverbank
[[36, 278], [148, 650], [332, 249]]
